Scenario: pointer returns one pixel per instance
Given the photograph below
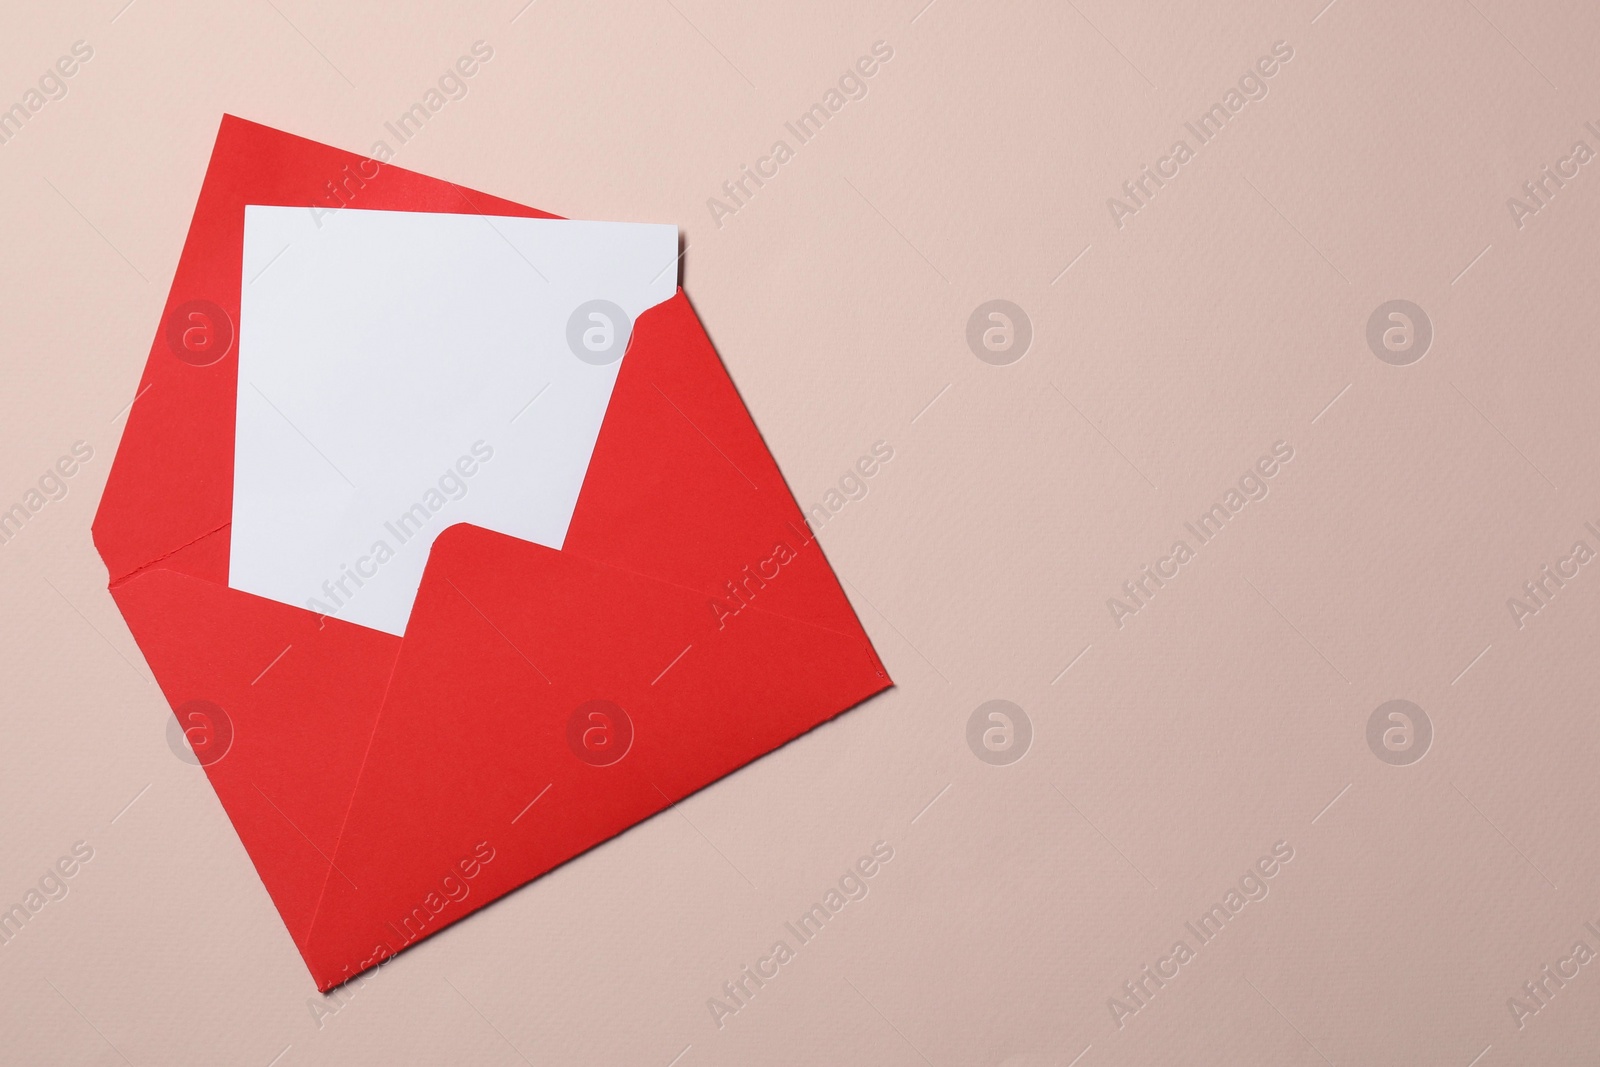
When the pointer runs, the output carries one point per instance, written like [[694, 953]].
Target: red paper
[[381, 785]]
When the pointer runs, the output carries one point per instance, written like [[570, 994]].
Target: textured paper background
[[1166, 755]]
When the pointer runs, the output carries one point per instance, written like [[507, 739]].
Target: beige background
[[1226, 716]]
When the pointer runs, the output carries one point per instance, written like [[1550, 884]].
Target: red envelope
[[540, 701]]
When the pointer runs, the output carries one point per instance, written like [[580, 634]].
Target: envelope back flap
[[171, 483]]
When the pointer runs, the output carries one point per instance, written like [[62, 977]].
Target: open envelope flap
[[172, 480], [298, 732], [491, 763]]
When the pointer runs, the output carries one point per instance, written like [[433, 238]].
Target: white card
[[400, 372]]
